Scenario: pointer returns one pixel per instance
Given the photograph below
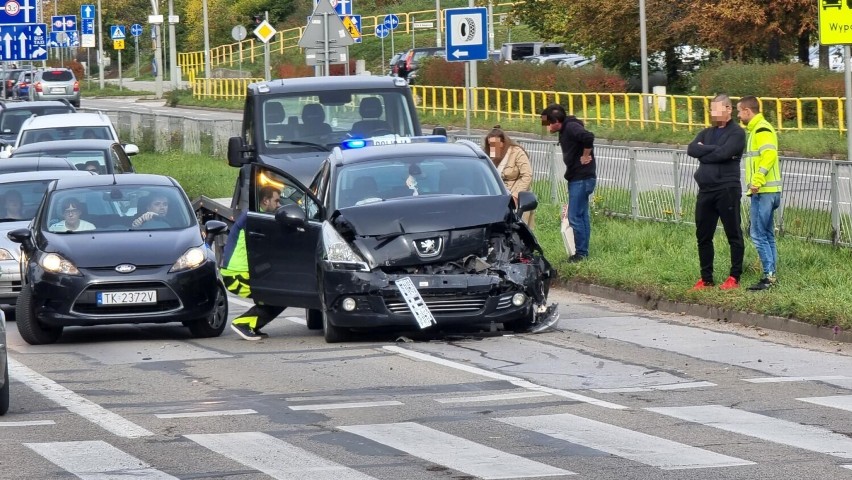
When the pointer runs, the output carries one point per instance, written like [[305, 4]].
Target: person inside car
[[154, 215], [72, 212], [13, 205]]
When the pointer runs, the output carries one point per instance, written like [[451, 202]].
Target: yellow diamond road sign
[[352, 27], [265, 32], [118, 44], [835, 22]]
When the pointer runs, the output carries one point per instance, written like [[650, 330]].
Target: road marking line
[[219, 413], [670, 386], [64, 397], [795, 379], [97, 460], [518, 382], [275, 457], [337, 406], [842, 402], [455, 452], [493, 398], [30, 423], [764, 427], [639, 447]]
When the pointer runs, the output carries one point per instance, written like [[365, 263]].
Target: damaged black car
[[401, 234]]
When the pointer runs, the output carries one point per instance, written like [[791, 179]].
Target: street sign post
[[18, 11], [382, 31], [136, 30], [87, 26], [391, 21], [239, 34], [325, 30], [23, 42], [342, 7], [353, 26], [467, 31]]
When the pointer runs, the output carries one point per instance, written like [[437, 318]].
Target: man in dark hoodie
[[718, 150], [578, 154]]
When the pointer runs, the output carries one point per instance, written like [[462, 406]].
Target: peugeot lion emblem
[[428, 247], [125, 268]]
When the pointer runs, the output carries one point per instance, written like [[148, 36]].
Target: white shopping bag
[[567, 233]]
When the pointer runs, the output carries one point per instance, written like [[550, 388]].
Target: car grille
[[167, 300], [441, 305], [10, 287], [504, 302]]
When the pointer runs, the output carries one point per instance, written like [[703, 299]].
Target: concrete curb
[[713, 313]]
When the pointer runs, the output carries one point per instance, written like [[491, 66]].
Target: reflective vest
[[762, 168]]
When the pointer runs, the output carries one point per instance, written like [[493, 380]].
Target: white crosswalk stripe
[[636, 446], [842, 402], [454, 452], [767, 428], [97, 460], [275, 457]]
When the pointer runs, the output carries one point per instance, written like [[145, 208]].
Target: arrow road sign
[[23, 42], [18, 11], [342, 7], [87, 12], [467, 30], [136, 29], [391, 21], [315, 33], [382, 30], [63, 39], [116, 32]]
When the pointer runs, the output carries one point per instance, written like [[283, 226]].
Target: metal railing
[[639, 183]]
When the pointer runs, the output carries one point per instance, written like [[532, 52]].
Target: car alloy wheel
[[213, 324], [29, 327], [331, 333]]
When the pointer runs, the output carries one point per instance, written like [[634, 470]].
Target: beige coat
[[516, 170]]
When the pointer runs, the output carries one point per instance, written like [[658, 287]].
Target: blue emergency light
[[354, 143]]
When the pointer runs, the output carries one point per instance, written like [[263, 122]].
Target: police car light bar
[[354, 143]]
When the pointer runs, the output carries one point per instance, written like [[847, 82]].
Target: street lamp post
[[643, 46], [206, 40]]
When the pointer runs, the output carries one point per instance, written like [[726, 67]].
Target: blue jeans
[[578, 213], [762, 232]]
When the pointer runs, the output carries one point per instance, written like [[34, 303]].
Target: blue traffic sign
[[467, 34], [87, 12], [63, 39], [343, 7], [136, 29], [391, 21], [87, 26], [382, 30], [116, 32], [18, 11], [63, 23], [23, 42]]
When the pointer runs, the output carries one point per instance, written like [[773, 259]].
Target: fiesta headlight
[[192, 258], [55, 263], [6, 255], [339, 253]]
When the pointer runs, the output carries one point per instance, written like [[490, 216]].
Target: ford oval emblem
[[125, 268]]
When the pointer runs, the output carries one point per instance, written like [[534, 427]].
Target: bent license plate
[[140, 297], [415, 302], [57, 90]]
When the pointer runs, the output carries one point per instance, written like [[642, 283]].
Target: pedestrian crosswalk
[[475, 452]]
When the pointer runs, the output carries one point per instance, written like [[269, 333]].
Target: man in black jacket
[[718, 150], [578, 154]]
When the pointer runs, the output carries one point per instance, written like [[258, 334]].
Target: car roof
[[41, 163], [20, 104], [313, 84], [141, 179], [81, 144], [62, 120], [383, 152], [42, 175]]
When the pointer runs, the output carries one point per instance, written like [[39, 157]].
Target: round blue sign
[[136, 29], [382, 30], [391, 21]]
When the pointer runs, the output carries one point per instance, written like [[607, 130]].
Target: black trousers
[[711, 207]]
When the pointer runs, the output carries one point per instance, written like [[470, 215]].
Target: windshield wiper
[[301, 143]]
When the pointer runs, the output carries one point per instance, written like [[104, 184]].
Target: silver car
[[55, 83], [4, 367]]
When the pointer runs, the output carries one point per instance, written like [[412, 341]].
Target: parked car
[[576, 62], [20, 196], [21, 87], [455, 243], [4, 365], [54, 83], [98, 156], [10, 77], [17, 165], [415, 57], [394, 63], [70, 126], [115, 273], [13, 115], [513, 52], [554, 58]]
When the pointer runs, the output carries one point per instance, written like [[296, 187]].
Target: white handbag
[[567, 233]]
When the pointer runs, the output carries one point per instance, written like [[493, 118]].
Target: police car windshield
[[301, 121], [364, 183]]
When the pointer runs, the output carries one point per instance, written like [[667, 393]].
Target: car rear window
[[57, 76]]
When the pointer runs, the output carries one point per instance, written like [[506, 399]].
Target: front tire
[[331, 333], [29, 327], [4, 392], [214, 324]]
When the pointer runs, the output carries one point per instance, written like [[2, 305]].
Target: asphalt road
[[616, 393]]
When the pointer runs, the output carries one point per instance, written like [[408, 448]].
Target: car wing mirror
[[213, 228], [291, 216], [237, 150], [527, 201], [130, 149], [21, 235]]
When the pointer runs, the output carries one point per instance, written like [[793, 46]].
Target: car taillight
[[37, 87], [76, 86]]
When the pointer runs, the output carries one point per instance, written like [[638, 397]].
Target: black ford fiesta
[[117, 249]]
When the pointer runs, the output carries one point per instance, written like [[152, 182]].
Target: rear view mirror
[[335, 98]]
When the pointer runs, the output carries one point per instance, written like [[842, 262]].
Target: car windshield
[[19, 201], [65, 133], [117, 208], [363, 183], [327, 118], [11, 120]]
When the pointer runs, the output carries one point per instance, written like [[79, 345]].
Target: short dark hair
[[750, 102], [554, 113]]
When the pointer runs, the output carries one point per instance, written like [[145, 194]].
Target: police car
[[399, 233]]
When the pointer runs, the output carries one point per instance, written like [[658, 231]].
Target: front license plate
[[57, 90], [141, 297], [415, 302]]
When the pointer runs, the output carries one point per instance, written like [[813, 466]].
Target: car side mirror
[[213, 228], [21, 235], [236, 151], [130, 149], [291, 216], [527, 201]]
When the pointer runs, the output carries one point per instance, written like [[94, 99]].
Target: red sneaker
[[701, 285], [730, 284]]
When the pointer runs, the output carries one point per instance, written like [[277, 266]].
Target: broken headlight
[[339, 253]]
